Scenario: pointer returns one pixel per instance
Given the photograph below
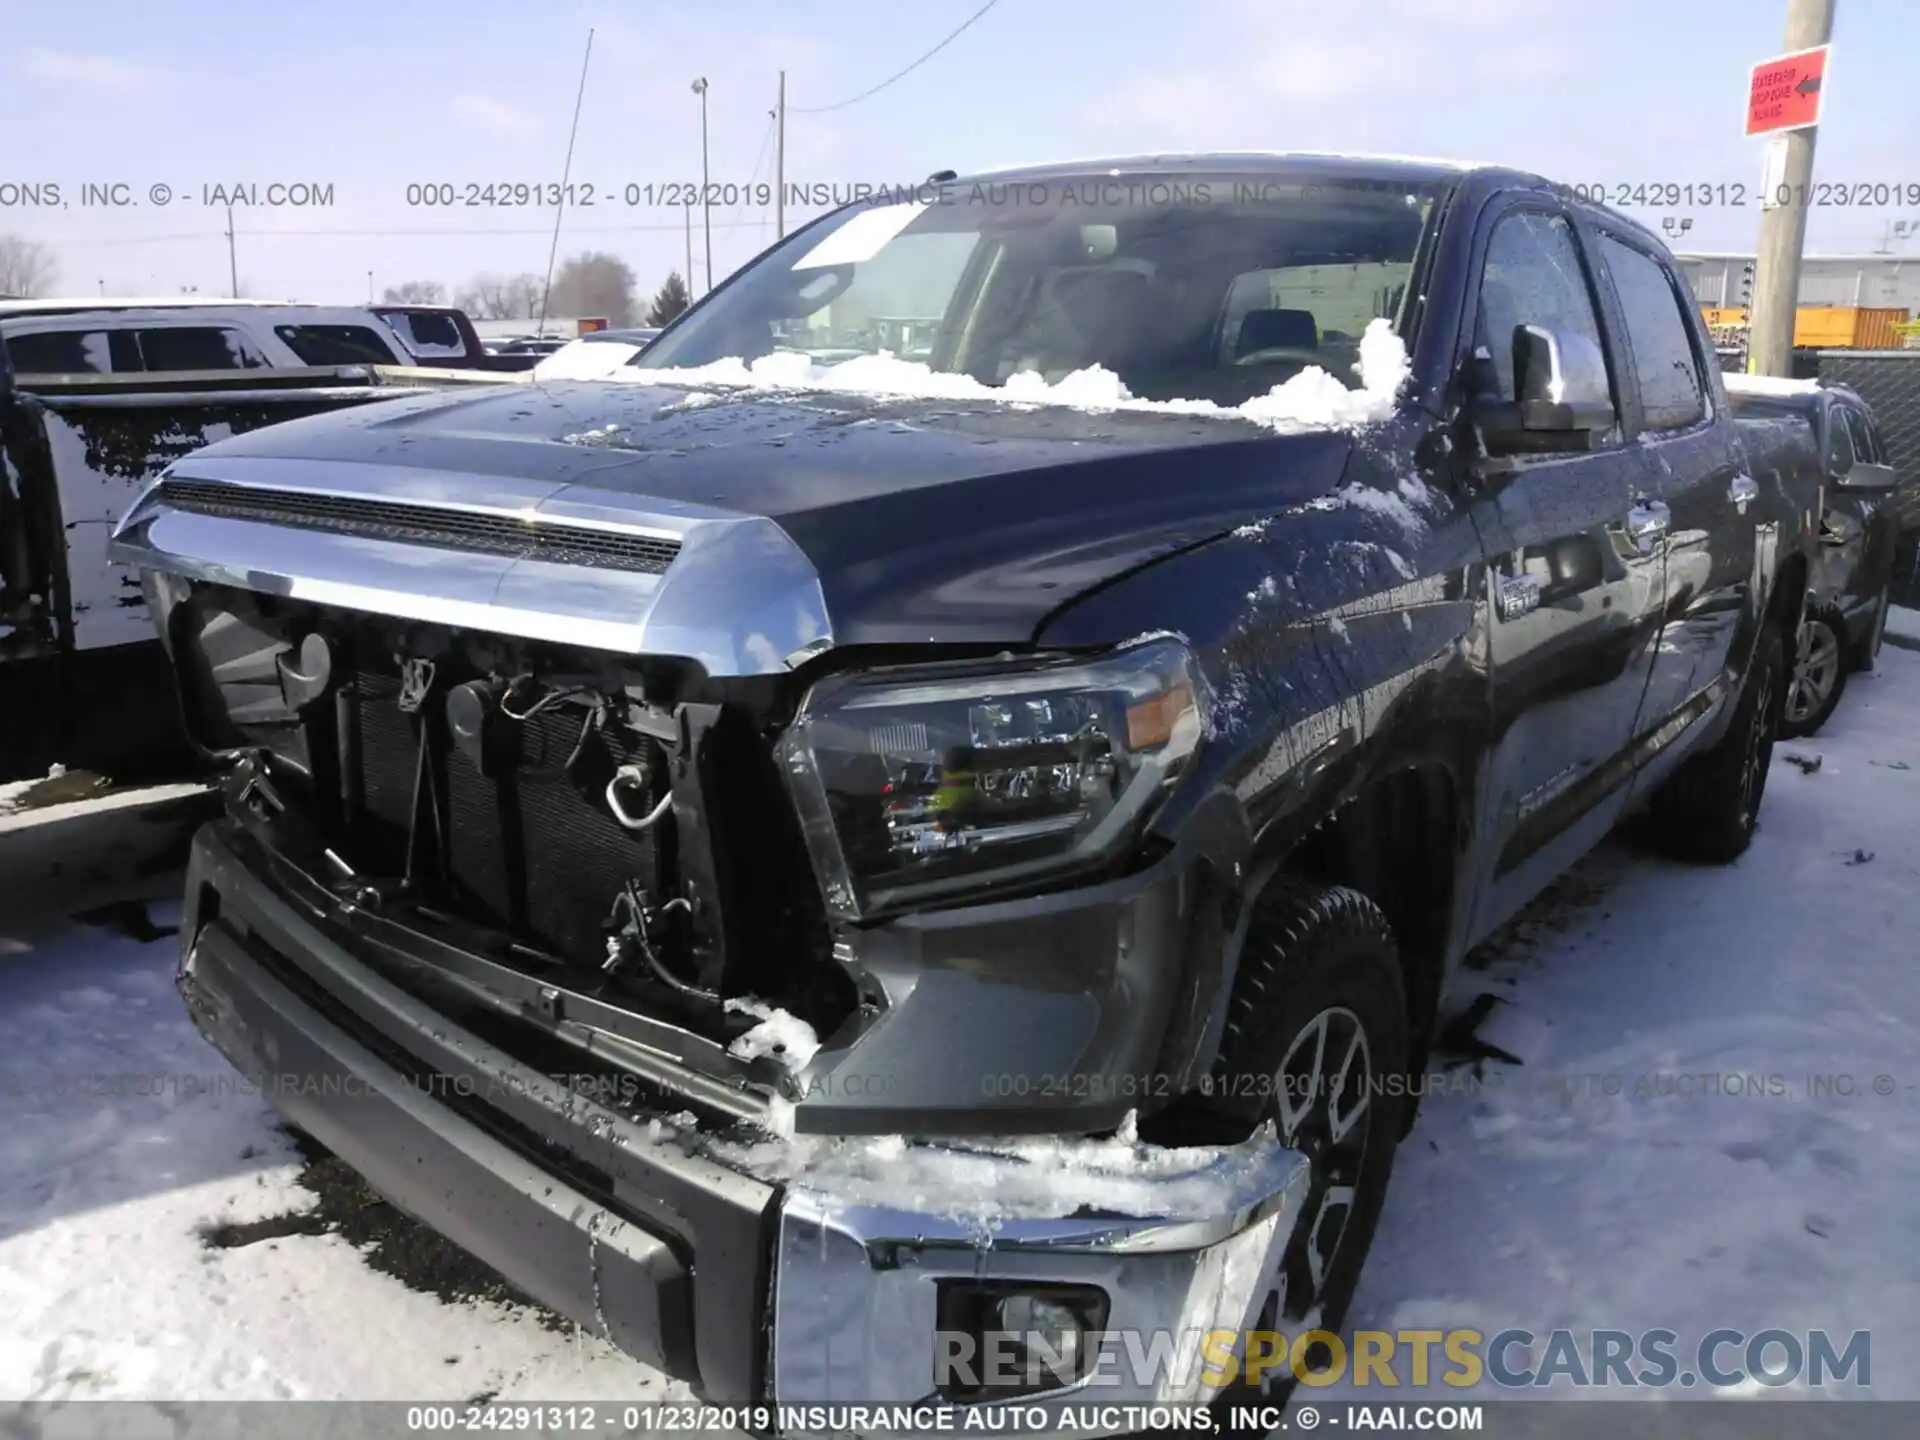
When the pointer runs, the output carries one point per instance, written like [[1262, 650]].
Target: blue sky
[[373, 97]]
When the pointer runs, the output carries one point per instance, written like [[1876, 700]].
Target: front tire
[[1707, 812], [1320, 1004], [1819, 674]]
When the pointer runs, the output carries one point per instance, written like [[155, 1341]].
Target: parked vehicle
[[1856, 532], [1885, 379], [118, 337], [736, 800], [532, 345], [436, 335], [594, 355], [83, 679]]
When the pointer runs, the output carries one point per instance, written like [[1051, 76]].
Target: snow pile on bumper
[[981, 1184]]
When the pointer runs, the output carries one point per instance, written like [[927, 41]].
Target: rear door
[[1859, 524], [1688, 460], [1576, 596]]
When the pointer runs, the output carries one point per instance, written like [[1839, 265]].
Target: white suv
[[81, 337]]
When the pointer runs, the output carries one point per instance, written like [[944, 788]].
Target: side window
[[60, 352], [1866, 446], [1533, 276], [1672, 391], [1840, 451], [1880, 451], [199, 347], [337, 345], [425, 334]]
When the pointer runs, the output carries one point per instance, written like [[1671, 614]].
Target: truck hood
[[922, 520]]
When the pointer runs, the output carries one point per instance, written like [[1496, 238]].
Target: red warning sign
[[1785, 91]]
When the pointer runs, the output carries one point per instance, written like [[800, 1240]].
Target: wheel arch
[[1397, 835]]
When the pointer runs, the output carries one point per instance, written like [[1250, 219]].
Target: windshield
[[1213, 288]]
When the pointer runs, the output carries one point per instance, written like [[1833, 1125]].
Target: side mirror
[[1864, 476], [1562, 398]]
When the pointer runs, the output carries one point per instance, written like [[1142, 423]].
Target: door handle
[[1742, 492], [1647, 521]]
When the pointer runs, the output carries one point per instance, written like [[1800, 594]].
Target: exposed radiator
[[526, 851]]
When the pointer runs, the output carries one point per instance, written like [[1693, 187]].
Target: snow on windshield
[[1311, 399]]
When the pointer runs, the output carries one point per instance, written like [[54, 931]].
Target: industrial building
[[1846, 301]]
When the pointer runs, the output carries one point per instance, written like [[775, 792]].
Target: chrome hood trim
[[740, 598]]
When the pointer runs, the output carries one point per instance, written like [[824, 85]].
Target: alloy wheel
[[1816, 669], [1323, 1095]]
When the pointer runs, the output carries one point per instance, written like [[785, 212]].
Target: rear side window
[[336, 345], [1840, 449], [199, 347], [61, 352], [427, 334], [1672, 391]]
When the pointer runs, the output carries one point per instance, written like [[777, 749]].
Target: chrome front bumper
[[776, 1271], [855, 1285]]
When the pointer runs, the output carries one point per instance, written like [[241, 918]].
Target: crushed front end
[[575, 893]]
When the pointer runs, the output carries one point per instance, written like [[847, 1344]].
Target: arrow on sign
[[1807, 86]]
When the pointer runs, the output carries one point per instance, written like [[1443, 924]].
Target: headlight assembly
[[914, 785]]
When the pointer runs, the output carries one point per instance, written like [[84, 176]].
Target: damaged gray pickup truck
[[826, 872]]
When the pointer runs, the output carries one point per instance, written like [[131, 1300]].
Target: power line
[[761, 155], [566, 174], [76, 243], [898, 75]]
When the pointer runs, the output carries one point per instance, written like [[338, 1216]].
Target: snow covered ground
[[1683, 1201], [159, 1239]]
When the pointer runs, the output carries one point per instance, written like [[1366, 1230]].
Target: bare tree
[[669, 300], [594, 283], [27, 268], [500, 297], [415, 292]]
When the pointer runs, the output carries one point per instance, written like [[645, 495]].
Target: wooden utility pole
[[1786, 189]]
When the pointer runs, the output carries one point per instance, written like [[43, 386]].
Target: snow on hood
[[1310, 400], [982, 1183], [585, 360]]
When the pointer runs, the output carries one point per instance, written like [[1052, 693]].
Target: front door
[[1575, 570]]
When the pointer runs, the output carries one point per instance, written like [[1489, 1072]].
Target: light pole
[[369, 287], [706, 199]]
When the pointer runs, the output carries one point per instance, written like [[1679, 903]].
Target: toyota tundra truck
[[834, 869]]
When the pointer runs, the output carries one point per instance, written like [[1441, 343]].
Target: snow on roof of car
[[9, 306], [1740, 384]]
